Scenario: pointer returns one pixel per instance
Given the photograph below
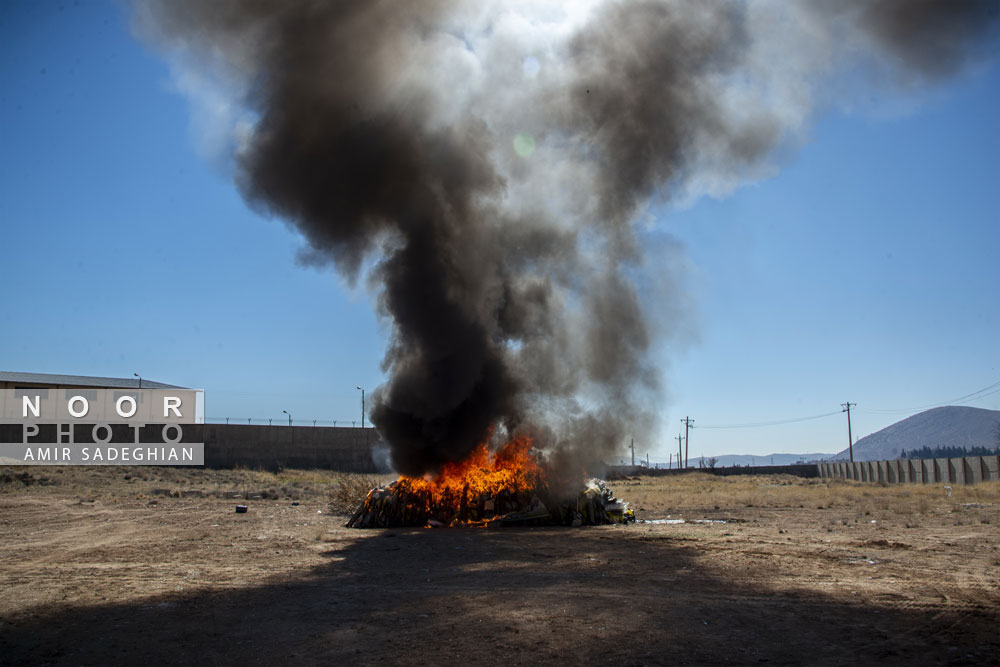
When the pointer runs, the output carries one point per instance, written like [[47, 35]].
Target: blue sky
[[865, 269]]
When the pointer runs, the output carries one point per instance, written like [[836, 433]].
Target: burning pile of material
[[508, 487]]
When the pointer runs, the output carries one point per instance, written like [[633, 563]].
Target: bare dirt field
[[153, 566]]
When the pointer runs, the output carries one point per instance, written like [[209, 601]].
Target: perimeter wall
[[270, 447], [964, 470], [230, 445]]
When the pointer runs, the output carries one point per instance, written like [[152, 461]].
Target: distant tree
[[945, 452], [711, 462]]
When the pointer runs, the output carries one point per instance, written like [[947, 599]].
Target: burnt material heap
[[507, 488]]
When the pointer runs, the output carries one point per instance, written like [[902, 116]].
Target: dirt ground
[[153, 566]]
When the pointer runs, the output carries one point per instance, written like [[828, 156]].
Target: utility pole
[[687, 426], [633, 452], [670, 464], [850, 442], [680, 450], [362, 406]]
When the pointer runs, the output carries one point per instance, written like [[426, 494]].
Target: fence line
[[284, 421], [962, 470]]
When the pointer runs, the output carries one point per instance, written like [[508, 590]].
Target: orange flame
[[506, 487], [485, 484]]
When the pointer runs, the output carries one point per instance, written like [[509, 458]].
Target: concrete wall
[[338, 448], [964, 470], [270, 447]]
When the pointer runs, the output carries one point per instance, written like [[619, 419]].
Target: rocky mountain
[[952, 426]]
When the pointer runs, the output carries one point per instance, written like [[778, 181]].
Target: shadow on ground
[[611, 595]]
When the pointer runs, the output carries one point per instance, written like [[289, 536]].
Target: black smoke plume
[[485, 166]]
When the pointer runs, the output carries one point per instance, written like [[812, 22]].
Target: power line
[[772, 423], [976, 395]]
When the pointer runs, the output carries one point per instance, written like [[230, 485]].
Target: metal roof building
[[12, 380]]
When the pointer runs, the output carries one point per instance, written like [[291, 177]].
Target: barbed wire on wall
[[285, 421]]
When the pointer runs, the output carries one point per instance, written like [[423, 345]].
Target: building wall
[[269, 447], [333, 447]]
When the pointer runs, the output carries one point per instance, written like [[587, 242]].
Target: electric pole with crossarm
[[687, 427], [850, 441]]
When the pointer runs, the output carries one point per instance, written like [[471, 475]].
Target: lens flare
[[524, 144]]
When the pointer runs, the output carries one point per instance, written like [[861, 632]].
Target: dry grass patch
[[112, 482], [347, 490], [703, 492]]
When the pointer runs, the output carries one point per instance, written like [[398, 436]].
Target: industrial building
[[12, 380], [228, 445]]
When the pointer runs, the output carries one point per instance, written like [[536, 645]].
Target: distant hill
[[953, 426], [740, 460], [765, 460]]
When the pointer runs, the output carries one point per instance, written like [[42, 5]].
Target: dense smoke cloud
[[491, 161]]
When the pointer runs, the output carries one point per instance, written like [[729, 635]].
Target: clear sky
[[866, 268]]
